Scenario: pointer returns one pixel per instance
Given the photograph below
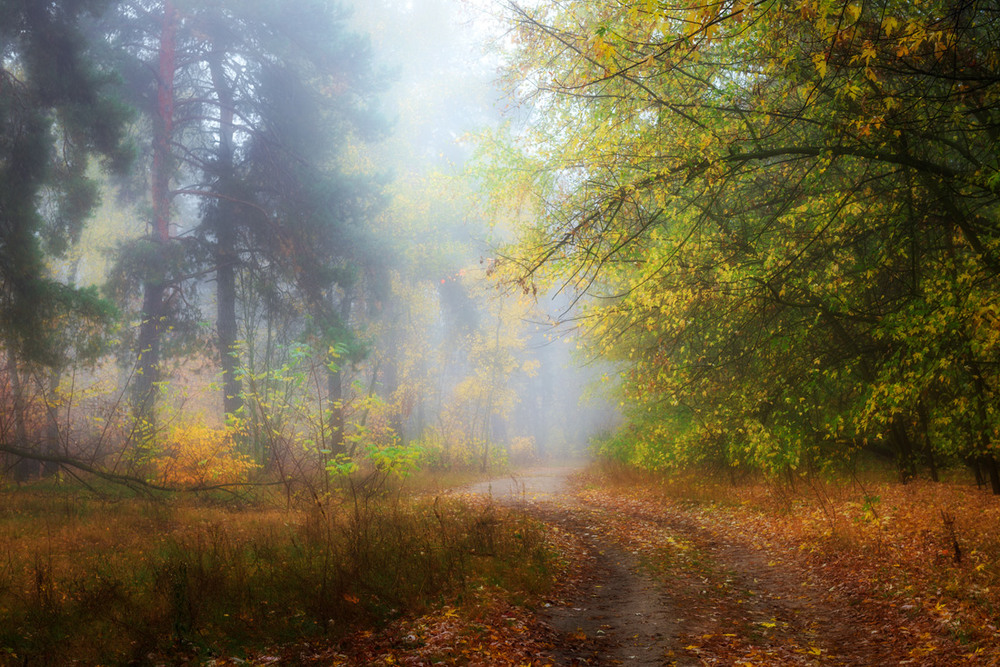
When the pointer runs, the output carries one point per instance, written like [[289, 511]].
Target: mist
[[304, 258], [551, 398], [314, 315]]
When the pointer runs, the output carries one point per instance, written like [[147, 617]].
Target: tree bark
[[977, 470], [24, 468], [52, 431], [904, 451], [335, 401], [928, 448], [225, 241], [994, 473], [154, 286]]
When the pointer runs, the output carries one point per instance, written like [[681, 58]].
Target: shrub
[[198, 456]]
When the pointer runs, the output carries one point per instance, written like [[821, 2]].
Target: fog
[[445, 94], [305, 255]]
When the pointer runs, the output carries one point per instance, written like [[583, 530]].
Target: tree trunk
[[987, 460], [24, 468], [932, 467], [335, 403], [335, 390], [225, 242], [52, 424], [994, 473], [904, 452], [148, 363], [977, 470], [232, 400], [154, 286], [925, 440], [390, 385]]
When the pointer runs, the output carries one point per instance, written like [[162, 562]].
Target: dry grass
[[113, 581]]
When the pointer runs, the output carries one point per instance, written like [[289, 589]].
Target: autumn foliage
[[198, 456], [787, 213], [101, 580]]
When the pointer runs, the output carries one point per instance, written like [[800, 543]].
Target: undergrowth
[[98, 581]]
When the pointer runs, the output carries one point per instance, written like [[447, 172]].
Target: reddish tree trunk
[[155, 284]]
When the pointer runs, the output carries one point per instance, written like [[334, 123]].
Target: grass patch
[[113, 581]]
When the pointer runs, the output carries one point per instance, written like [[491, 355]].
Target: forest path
[[612, 612], [659, 585]]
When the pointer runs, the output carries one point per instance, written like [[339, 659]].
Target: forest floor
[[651, 579], [551, 566]]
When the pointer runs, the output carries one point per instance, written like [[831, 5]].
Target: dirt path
[[614, 613], [658, 587]]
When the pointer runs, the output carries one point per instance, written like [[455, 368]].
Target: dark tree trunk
[[335, 401], [225, 242], [148, 363], [925, 440], [904, 452], [226, 324], [977, 470], [52, 425], [987, 461], [23, 469], [932, 467], [994, 473]]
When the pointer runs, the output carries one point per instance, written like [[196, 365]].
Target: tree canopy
[[58, 109], [786, 213], [251, 106]]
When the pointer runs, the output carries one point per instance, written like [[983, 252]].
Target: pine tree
[[58, 109], [254, 104]]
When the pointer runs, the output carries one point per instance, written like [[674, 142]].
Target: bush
[[198, 456]]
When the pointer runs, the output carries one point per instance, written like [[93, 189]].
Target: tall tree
[[301, 87], [155, 283], [58, 109], [255, 102]]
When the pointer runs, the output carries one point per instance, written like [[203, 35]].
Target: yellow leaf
[[819, 60]]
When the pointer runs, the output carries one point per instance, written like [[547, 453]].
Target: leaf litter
[[648, 579]]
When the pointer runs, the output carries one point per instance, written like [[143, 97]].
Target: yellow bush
[[201, 456]]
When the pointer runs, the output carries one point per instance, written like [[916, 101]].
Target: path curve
[[618, 615], [662, 584]]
